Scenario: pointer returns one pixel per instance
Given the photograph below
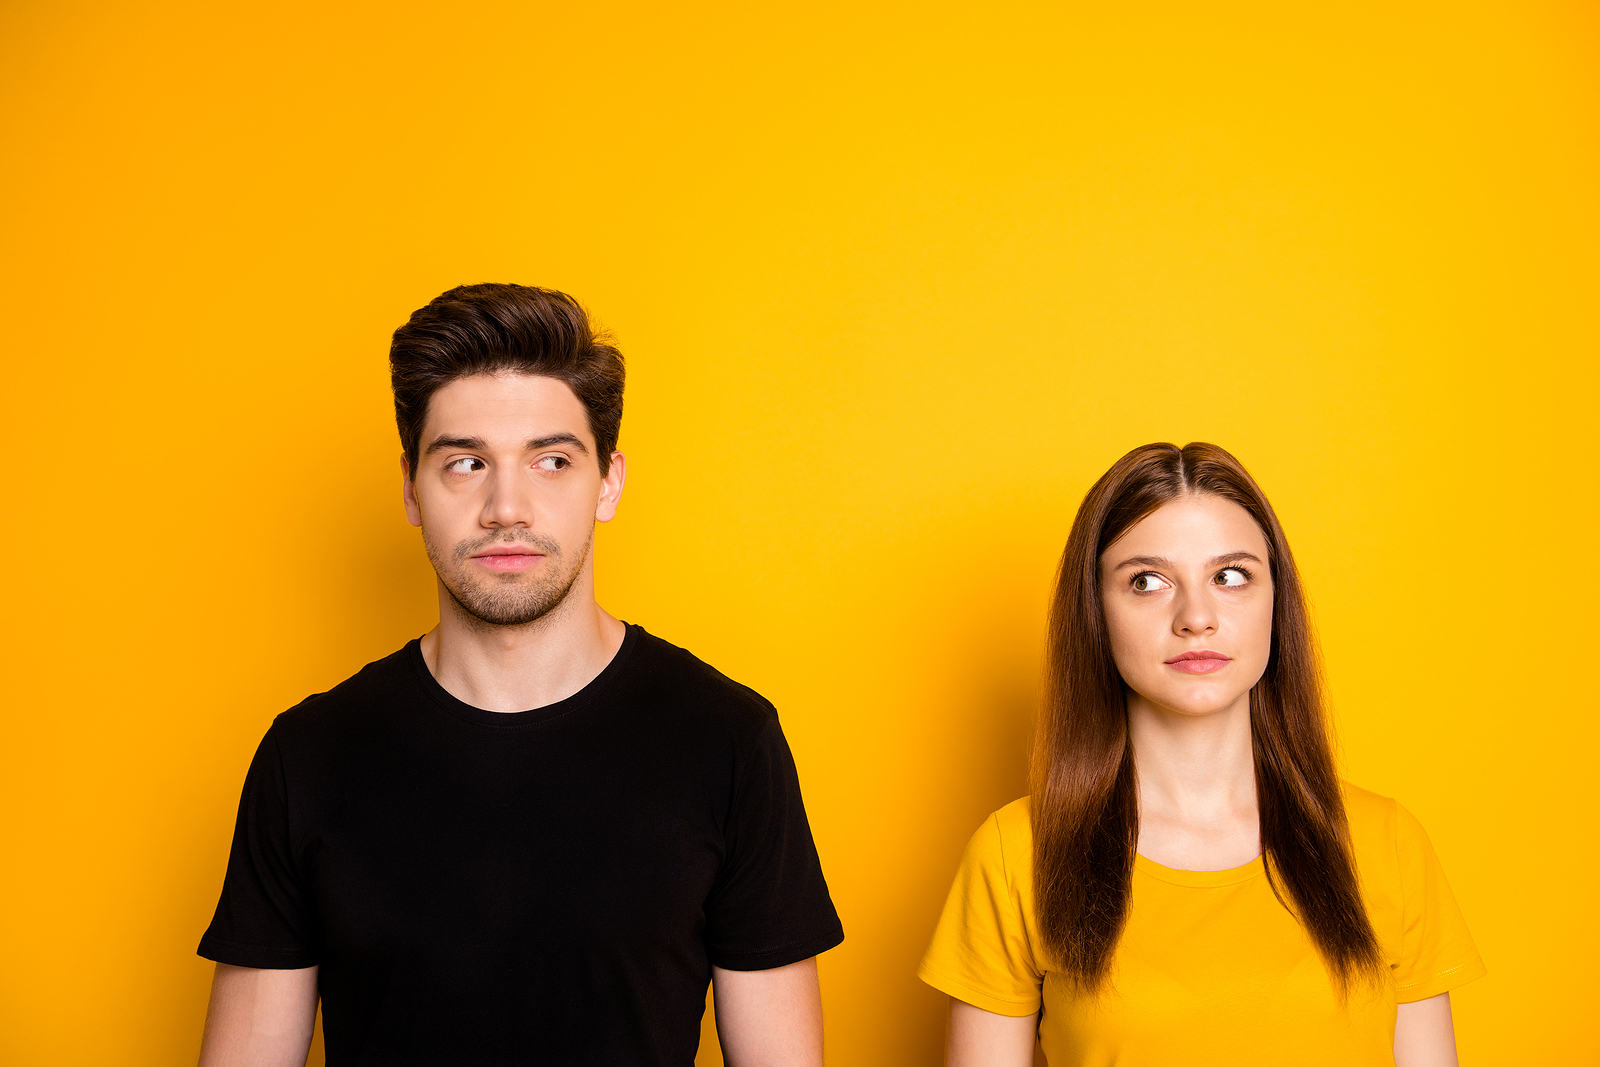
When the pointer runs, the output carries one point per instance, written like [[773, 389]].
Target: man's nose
[[510, 501]]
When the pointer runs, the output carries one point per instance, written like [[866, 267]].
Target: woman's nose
[[1196, 616]]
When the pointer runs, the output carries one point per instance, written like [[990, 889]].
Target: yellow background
[[895, 283]]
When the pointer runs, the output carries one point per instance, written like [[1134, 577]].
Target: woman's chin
[[1192, 705]]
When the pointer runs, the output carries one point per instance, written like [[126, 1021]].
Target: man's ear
[[610, 489], [408, 492]]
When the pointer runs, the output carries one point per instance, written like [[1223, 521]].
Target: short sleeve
[[981, 952], [1436, 950], [263, 918], [769, 906]]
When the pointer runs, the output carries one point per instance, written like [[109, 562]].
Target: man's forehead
[[506, 408]]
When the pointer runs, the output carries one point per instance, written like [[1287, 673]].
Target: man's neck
[[519, 668]]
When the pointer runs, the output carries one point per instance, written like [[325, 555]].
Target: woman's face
[[1188, 603]]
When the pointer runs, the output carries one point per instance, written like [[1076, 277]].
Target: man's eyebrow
[[478, 444], [439, 444], [556, 439]]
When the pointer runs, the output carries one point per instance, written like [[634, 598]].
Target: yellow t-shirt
[[1210, 968]]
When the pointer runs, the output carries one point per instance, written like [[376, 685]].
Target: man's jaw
[[487, 600]]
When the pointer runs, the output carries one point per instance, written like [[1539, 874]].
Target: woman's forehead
[[1193, 527]]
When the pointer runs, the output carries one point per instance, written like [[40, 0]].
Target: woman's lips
[[508, 561], [1201, 662]]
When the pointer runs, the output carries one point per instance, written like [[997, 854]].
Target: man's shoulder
[[676, 677], [375, 687]]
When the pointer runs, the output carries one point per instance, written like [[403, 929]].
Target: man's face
[[507, 491]]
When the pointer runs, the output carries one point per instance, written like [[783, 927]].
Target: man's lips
[[507, 558], [1203, 661]]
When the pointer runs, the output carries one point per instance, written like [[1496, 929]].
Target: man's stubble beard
[[485, 600]]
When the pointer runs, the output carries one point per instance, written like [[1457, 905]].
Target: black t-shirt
[[541, 887]]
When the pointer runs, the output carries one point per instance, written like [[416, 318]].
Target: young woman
[[1189, 881]]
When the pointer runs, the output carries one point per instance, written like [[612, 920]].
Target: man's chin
[[493, 606]]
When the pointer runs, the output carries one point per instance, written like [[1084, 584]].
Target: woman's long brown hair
[[1085, 795]]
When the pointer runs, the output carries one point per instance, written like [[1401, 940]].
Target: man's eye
[[464, 465], [1232, 576], [552, 463], [1150, 583]]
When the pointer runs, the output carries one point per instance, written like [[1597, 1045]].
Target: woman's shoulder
[[1377, 820], [1014, 826], [1391, 847], [1374, 821], [1015, 820], [1408, 897], [1369, 814], [1004, 840]]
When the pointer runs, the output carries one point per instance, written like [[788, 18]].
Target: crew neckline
[[534, 716], [1198, 879]]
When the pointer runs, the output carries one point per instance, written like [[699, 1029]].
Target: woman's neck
[[1197, 786]]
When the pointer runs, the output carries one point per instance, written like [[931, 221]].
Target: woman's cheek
[[1259, 629]]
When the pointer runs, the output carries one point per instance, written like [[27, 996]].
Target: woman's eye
[[1150, 583], [464, 465], [552, 463], [1232, 576]]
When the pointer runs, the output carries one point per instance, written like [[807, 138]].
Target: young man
[[533, 835]]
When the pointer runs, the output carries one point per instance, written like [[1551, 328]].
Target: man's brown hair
[[504, 329]]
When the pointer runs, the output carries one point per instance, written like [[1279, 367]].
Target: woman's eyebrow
[[1214, 561], [1143, 561]]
